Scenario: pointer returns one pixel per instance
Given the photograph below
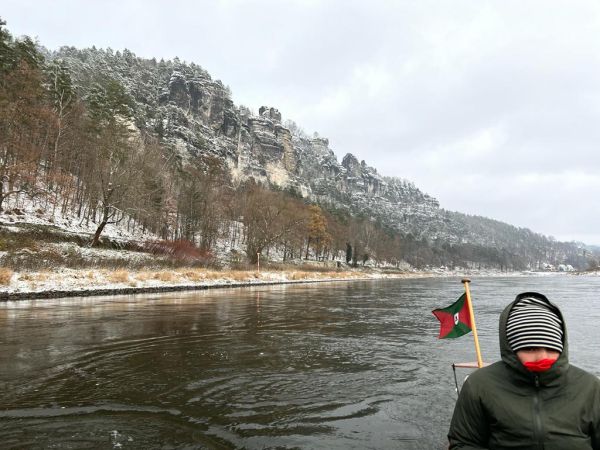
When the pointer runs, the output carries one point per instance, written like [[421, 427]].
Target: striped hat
[[532, 323]]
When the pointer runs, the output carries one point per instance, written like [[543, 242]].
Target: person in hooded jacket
[[533, 398]]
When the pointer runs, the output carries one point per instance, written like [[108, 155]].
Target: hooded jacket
[[505, 406]]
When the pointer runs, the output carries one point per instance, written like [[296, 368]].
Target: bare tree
[[116, 172], [268, 217], [201, 201]]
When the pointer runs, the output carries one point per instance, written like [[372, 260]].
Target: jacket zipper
[[537, 415]]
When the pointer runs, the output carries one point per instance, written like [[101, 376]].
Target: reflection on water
[[337, 365]]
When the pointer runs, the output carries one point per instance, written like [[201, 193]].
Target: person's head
[[534, 331]]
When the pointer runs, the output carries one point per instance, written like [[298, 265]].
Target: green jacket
[[505, 406]]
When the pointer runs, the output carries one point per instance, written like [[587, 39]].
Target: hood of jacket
[[552, 376]]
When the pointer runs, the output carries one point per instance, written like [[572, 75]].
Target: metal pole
[[455, 379]]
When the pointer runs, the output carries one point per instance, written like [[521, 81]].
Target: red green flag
[[455, 320]]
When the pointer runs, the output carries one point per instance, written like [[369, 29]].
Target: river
[[328, 365]]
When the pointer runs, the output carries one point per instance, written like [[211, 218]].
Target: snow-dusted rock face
[[260, 147], [270, 113], [204, 100]]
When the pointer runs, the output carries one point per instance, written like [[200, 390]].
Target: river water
[[327, 365]]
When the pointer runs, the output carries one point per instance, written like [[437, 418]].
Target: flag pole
[[466, 282]]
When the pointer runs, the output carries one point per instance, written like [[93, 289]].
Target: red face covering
[[540, 366]]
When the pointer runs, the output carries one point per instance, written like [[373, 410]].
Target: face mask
[[539, 366]]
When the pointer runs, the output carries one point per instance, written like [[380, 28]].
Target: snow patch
[[277, 174]]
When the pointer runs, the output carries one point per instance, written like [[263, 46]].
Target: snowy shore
[[92, 282], [74, 282]]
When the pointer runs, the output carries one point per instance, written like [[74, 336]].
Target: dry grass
[[345, 274], [303, 275], [118, 276], [144, 276], [35, 276], [238, 275], [198, 275], [193, 274], [212, 275], [185, 274], [44, 276], [164, 276], [299, 275], [27, 276], [5, 276]]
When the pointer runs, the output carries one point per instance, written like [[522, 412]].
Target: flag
[[454, 320]]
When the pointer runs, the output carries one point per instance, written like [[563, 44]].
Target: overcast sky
[[492, 107]]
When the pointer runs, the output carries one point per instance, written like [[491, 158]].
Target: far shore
[[64, 282]]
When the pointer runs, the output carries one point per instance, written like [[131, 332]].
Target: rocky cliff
[[198, 117]]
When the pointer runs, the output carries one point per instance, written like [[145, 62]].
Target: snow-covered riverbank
[[42, 257], [85, 282], [71, 282]]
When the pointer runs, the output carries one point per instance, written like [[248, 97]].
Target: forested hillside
[[106, 137]]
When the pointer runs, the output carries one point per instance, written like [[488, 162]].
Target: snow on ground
[[95, 279], [22, 209], [77, 280], [99, 254]]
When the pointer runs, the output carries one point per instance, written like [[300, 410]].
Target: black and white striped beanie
[[532, 323]]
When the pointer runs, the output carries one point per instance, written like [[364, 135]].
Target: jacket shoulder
[[578, 375], [484, 378], [497, 369]]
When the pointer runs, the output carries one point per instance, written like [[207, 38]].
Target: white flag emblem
[[456, 319]]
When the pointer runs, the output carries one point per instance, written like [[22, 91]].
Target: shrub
[[181, 250], [243, 266]]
